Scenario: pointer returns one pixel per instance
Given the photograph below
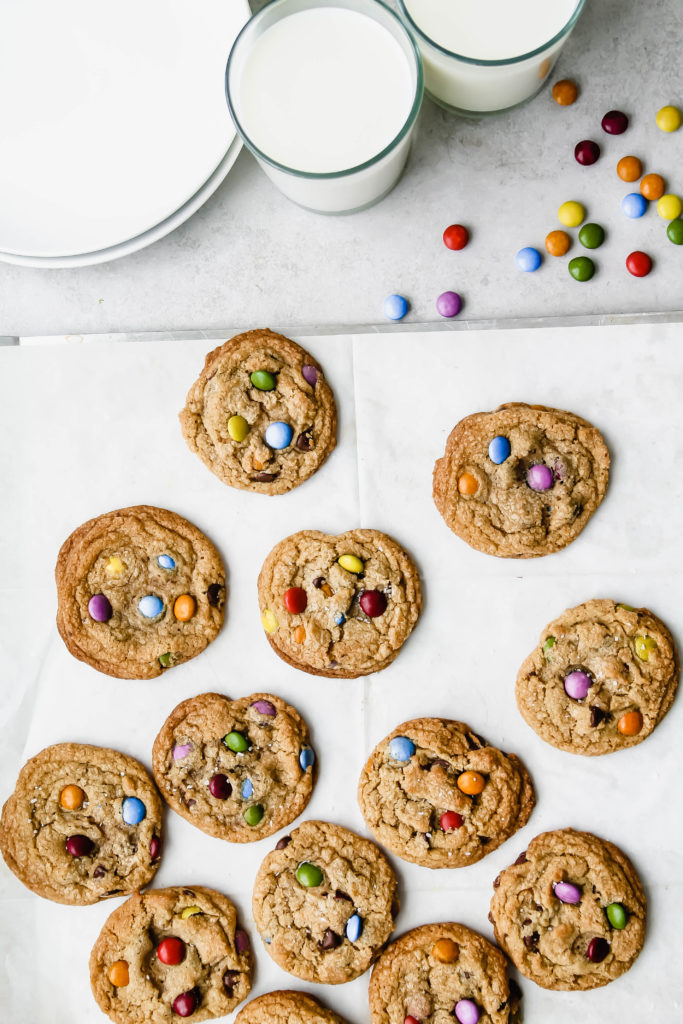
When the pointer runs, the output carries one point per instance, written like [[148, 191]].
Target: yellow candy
[[299, 635], [115, 567], [190, 912], [269, 621], [668, 119], [669, 207], [571, 214], [643, 646], [238, 428], [351, 563]]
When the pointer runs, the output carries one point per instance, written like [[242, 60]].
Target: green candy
[[591, 236], [616, 915], [263, 380], [253, 814], [548, 645], [626, 607], [674, 232], [581, 268], [166, 660], [237, 742], [308, 875]]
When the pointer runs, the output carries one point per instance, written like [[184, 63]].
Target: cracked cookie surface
[[521, 481], [237, 769], [429, 971], [324, 903], [83, 824], [140, 589], [171, 953], [570, 912], [601, 678], [286, 1007], [339, 606], [252, 382], [434, 793]]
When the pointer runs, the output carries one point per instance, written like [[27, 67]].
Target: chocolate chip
[[188, 892], [473, 741], [339, 895], [438, 761], [577, 511], [190, 803], [99, 872], [330, 940], [515, 993], [526, 921], [484, 840], [491, 918], [531, 941], [229, 980], [281, 843], [395, 906], [265, 478], [597, 715], [214, 594], [466, 974], [496, 881], [304, 441], [113, 892], [521, 859], [318, 582]]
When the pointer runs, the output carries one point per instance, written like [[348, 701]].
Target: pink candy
[[567, 893], [540, 477], [577, 684], [181, 751]]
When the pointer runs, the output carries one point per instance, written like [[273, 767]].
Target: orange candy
[[557, 243], [118, 974], [630, 723], [299, 635], [468, 484], [629, 168], [565, 92], [445, 951], [72, 798], [652, 186], [471, 783], [184, 607]]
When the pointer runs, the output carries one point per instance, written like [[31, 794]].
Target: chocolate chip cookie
[[601, 678], [139, 590], [442, 972], [436, 794], [171, 953], [339, 606], [286, 1008], [521, 481], [324, 903], [83, 824], [237, 769], [570, 912], [261, 415]]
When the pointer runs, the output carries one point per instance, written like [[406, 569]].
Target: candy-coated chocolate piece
[[296, 600], [614, 122], [181, 750], [119, 975], [567, 893], [674, 232], [591, 236], [456, 237], [219, 786], [253, 814], [626, 607], [411, 1020], [242, 943], [238, 428], [309, 875], [548, 645], [72, 798], [565, 92], [668, 118], [190, 912], [299, 634], [581, 268], [598, 949], [571, 214], [339, 619], [269, 620], [310, 374], [616, 915], [468, 484], [351, 563], [166, 660], [448, 304], [264, 707], [643, 646], [247, 789], [79, 846], [445, 951], [166, 562], [236, 741], [150, 606], [354, 927], [171, 951], [652, 186], [528, 259], [373, 603], [279, 435], [638, 263], [629, 168], [154, 849], [184, 607], [115, 567], [471, 783], [395, 307], [133, 811], [466, 1011], [669, 207], [306, 758], [634, 205], [557, 243], [630, 723], [586, 152], [99, 608], [450, 821], [401, 748], [262, 380], [540, 477], [577, 684], [499, 449], [185, 1004]]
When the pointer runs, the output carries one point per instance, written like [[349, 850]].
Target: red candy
[[79, 846], [586, 152], [185, 1004], [171, 951], [639, 264], [219, 787], [154, 848], [296, 600], [597, 950], [450, 821], [373, 603], [456, 237], [615, 122], [411, 1020]]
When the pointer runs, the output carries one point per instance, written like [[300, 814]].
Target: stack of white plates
[[114, 127]]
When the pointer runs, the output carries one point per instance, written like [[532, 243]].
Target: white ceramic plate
[[112, 116]]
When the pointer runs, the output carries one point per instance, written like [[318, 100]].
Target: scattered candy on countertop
[[99, 608], [269, 620], [571, 214], [373, 603], [306, 758], [445, 951], [471, 783], [591, 236], [238, 428], [79, 846], [669, 207], [133, 811], [448, 304], [309, 875], [566, 892], [118, 974], [629, 168], [72, 798], [630, 723], [351, 563], [577, 684], [295, 600], [456, 237], [638, 263], [466, 1011], [184, 607], [185, 1004], [634, 205], [450, 821], [220, 787], [643, 646], [615, 122], [528, 259], [262, 380], [499, 450], [540, 477], [565, 92], [401, 748], [557, 243], [253, 814], [586, 152], [674, 232], [581, 268], [616, 915], [597, 950], [278, 435], [166, 562], [652, 186], [150, 606], [247, 789], [171, 951], [354, 926], [395, 307], [181, 750], [115, 567], [236, 741], [668, 119]]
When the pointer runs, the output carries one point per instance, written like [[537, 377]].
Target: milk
[[518, 42], [325, 96]]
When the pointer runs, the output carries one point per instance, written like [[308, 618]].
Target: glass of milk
[[484, 56], [325, 93]]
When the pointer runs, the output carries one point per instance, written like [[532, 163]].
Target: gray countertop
[[250, 257]]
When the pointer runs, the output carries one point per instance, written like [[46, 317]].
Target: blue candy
[[395, 307], [150, 606], [528, 259], [278, 435], [401, 748], [306, 758], [166, 562], [247, 789], [133, 811], [339, 619], [634, 205], [354, 926], [499, 449]]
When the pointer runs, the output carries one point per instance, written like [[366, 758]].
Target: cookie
[[601, 678], [339, 606], [261, 415], [521, 481], [324, 903], [286, 1008], [171, 953], [439, 973], [436, 794], [139, 590], [83, 824], [570, 912], [237, 769]]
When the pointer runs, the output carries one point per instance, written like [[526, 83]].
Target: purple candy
[[310, 374], [540, 477], [181, 751], [264, 707], [448, 304], [567, 893], [99, 608], [466, 1011], [242, 943], [577, 684]]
